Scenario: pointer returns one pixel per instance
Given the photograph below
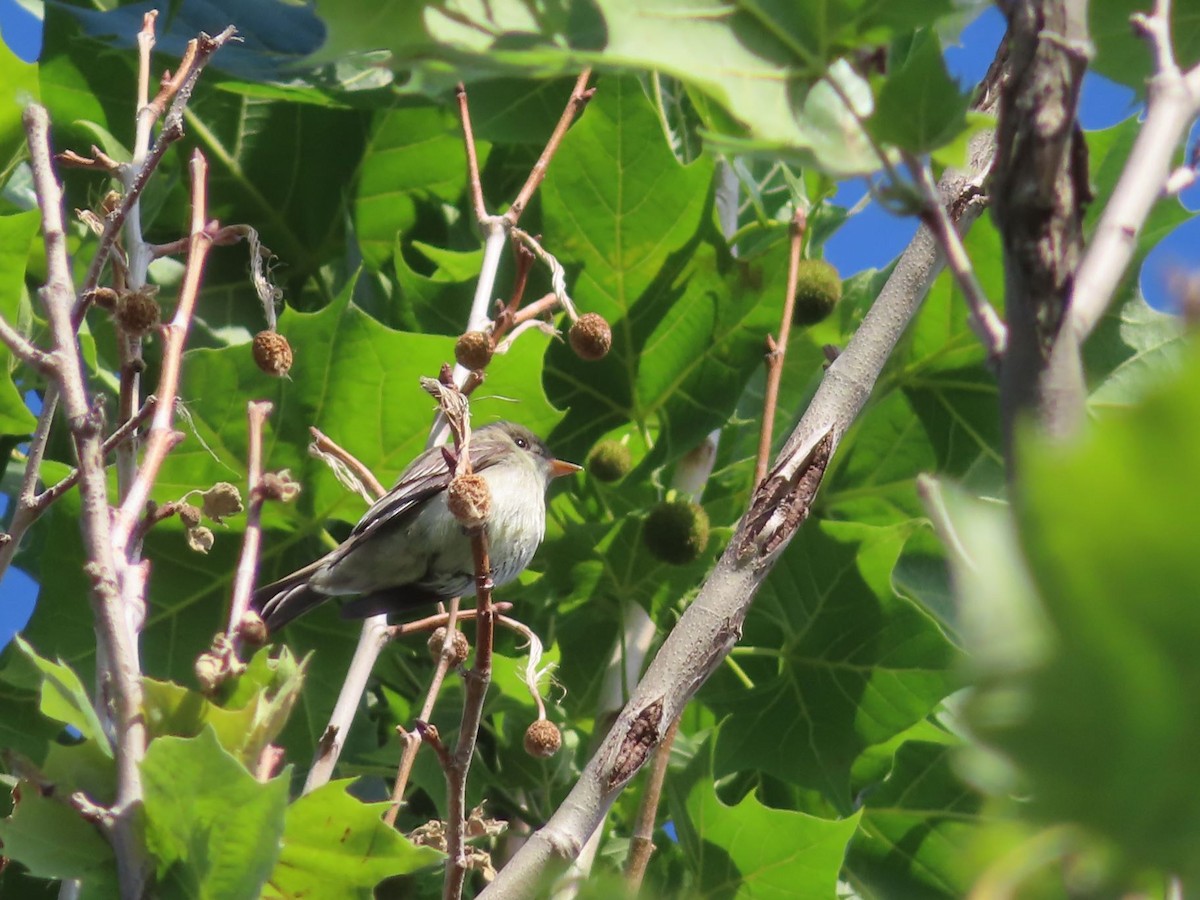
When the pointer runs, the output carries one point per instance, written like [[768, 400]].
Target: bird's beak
[[560, 467]]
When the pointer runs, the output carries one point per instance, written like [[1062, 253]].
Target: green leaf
[[920, 107], [684, 342], [415, 155], [752, 851], [208, 820], [336, 846], [63, 698], [16, 235], [242, 728], [1121, 631], [20, 86], [838, 661], [917, 829], [53, 841], [1125, 56]]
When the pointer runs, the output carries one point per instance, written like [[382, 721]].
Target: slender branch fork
[[497, 230]]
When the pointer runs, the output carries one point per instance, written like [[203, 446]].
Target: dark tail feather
[[280, 602]]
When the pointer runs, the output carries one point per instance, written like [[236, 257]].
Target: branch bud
[[469, 500]]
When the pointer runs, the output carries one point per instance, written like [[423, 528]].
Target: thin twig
[[580, 95], [641, 844], [412, 739], [115, 639], [161, 435], [464, 111], [257, 412], [26, 351], [777, 351], [43, 500], [180, 89], [327, 445], [982, 316], [26, 514]]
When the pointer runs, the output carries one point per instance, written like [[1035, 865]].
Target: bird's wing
[[425, 476]]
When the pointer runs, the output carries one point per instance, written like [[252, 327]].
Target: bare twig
[[26, 512], [1172, 104], [984, 319], [641, 845], [161, 437], [179, 91], [114, 637], [580, 95], [464, 111], [364, 475], [412, 739], [777, 351], [43, 500], [24, 350], [257, 412]]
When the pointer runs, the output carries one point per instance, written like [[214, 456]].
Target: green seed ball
[[609, 461], [676, 531], [818, 290]]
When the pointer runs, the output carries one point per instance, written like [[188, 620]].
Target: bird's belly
[[446, 567]]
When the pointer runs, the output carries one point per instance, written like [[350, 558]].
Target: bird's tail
[[281, 601]]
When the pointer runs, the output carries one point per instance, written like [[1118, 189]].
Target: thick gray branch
[[1039, 196]]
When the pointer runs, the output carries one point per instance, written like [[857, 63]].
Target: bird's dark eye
[[522, 443]]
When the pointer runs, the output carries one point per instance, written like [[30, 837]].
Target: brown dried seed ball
[[252, 629], [469, 500], [189, 515], [459, 649], [279, 486], [473, 350], [590, 337], [542, 739], [272, 353], [208, 672], [200, 539], [818, 290], [609, 461], [676, 531], [221, 500], [137, 311]]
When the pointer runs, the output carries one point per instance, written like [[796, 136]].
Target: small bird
[[408, 549]]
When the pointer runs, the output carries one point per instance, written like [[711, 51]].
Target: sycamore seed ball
[[459, 648], [542, 739], [137, 311], [469, 500], [590, 337], [609, 461], [818, 290], [676, 531], [272, 353], [473, 350]]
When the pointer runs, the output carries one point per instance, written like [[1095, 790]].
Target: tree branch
[[162, 437], [776, 352], [257, 412], [580, 95], [114, 638], [1039, 194], [1172, 104], [983, 318]]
